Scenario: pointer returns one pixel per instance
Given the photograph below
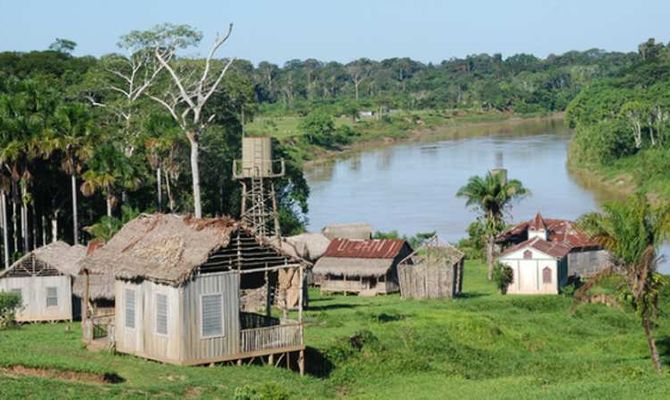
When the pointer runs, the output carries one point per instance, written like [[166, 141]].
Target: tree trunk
[[159, 191], [24, 219], [5, 228], [54, 227], [169, 192], [195, 173], [15, 231], [648, 332], [75, 216], [489, 255], [108, 200]]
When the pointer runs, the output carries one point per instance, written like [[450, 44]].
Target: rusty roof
[[554, 249], [371, 248], [558, 230]]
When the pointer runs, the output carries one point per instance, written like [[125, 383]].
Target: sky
[[344, 30]]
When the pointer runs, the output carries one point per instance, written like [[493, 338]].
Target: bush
[[268, 391], [9, 304], [502, 276]]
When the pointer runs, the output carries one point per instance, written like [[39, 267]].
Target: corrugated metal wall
[[34, 297], [587, 263]]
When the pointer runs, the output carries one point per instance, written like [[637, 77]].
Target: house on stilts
[[180, 285], [43, 278]]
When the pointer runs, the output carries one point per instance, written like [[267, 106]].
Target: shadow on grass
[[328, 307], [317, 364], [663, 346], [472, 295]]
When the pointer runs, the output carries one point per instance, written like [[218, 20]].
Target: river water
[[411, 187]]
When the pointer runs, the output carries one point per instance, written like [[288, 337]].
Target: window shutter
[[52, 296], [129, 295], [161, 314], [212, 315], [546, 275]]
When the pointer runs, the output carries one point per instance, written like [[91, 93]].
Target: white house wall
[[527, 273], [34, 297]]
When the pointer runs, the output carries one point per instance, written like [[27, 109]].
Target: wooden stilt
[[271, 359], [301, 362], [288, 360], [239, 362]]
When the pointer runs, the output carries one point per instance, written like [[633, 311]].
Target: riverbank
[[392, 129], [645, 172]]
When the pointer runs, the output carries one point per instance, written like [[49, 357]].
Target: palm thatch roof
[[58, 255], [340, 266], [309, 246], [358, 231], [100, 286], [164, 248]]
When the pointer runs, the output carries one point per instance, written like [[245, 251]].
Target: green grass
[[483, 345]]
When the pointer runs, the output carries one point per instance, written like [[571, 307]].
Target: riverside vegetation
[[483, 345]]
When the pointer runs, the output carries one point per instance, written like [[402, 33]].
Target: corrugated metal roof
[[371, 248], [558, 230]]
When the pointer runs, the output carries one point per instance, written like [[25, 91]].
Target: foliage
[[415, 241], [267, 391], [502, 276], [474, 244], [632, 232], [9, 304], [107, 227]]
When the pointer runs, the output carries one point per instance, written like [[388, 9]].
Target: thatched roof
[[58, 255], [348, 231], [163, 248], [432, 252], [353, 266], [309, 246]]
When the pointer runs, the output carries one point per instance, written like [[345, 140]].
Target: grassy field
[[482, 345]]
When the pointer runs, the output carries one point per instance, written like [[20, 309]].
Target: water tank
[[500, 171], [257, 156]]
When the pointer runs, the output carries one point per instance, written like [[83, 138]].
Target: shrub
[[502, 276], [268, 391], [9, 304]]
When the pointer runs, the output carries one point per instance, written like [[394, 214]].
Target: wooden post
[[84, 304], [301, 358], [268, 305]]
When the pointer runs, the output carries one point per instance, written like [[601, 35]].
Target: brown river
[[411, 187]]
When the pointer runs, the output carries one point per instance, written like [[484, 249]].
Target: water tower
[[256, 172]]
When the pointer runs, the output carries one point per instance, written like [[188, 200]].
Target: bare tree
[[358, 71], [186, 97]]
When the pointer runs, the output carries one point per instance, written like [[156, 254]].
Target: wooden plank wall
[[34, 297]]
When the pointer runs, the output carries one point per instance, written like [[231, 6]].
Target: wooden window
[[546, 275], [211, 312], [527, 255], [129, 300], [52, 296], [161, 314]]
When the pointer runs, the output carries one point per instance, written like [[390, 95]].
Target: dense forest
[[119, 134], [623, 122]]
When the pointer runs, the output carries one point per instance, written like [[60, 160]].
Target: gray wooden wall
[[34, 297]]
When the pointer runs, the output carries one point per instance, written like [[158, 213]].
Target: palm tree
[[492, 195], [632, 231], [108, 169], [75, 139]]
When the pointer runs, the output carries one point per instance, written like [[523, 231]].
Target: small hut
[[179, 284], [434, 271], [44, 280], [365, 267], [357, 231]]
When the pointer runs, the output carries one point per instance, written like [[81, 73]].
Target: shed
[[366, 267], [44, 280], [178, 288], [358, 231], [433, 271]]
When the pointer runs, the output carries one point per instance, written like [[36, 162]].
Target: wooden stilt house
[[44, 280], [178, 287]]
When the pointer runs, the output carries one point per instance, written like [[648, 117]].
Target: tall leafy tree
[[492, 195], [632, 232]]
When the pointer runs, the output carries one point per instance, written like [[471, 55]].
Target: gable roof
[[553, 249], [558, 230], [371, 248], [165, 248], [58, 255]]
